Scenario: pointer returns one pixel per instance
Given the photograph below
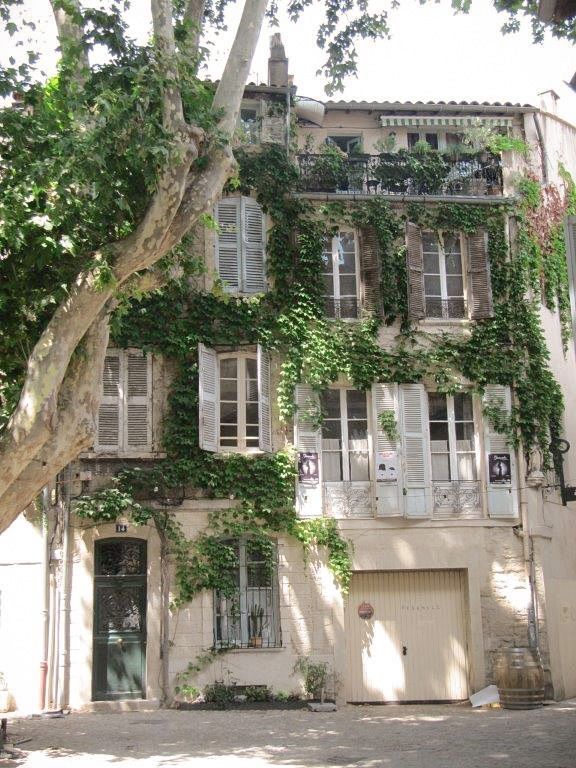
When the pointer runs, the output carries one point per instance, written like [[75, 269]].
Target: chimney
[[277, 63]]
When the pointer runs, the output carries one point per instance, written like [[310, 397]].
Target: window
[[430, 138], [345, 455], [248, 616], [249, 125], [443, 276], [238, 402], [449, 275], [348, 144], [452, 437], [124, 415], [340, 275], [240, 259], [234, 394]]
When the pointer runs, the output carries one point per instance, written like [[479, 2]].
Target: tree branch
[[230, 91], [166, 51], [75, 418], [71, 37], [193, 20]]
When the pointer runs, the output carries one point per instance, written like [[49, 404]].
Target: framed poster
[[308, 468], [499, 468], [386, 466]]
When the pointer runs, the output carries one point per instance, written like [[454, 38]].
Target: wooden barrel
[[520, 678]]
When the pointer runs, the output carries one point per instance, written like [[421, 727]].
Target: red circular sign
[[365, 611]]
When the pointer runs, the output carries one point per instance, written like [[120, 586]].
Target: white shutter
[[253, 278], [228, 242], [416, 450], [209, 409], [308, 440], [389, 496], [264, 416], [502, 495], [108, 429], [137, 413]]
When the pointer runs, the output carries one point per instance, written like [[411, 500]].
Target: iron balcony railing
[[445, 309], [454, 498], [402, 173], [247, 619], [345, 308]]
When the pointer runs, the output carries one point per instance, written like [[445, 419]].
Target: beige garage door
[[414, 646]]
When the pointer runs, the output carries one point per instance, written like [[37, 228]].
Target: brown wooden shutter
[[415, 267], [480, 293], [370, 271]]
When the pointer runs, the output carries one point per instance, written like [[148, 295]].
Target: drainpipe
[[528, 553], [45, 621], [64, 687], [543, 152]]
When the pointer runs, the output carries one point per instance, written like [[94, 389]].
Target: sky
[[433, 55]]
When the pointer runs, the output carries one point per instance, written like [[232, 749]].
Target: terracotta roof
[[430, 106]]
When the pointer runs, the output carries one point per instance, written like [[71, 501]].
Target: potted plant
[[327, 171], [256, 625]]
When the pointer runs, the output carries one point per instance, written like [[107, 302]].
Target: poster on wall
[[308, 468], [386, 466], [499, 469]]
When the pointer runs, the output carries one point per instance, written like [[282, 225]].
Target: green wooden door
[[119, 650]]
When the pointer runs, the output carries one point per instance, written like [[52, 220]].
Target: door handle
[[404, 650]]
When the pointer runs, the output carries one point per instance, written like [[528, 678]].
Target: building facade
[[376, 310]]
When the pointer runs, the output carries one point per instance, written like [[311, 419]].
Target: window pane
[[463, 407], [440, 467], [228, 368], [431, 263], [432, 285], [332, 429], [465, 432], [228, 413], [252, 413], [328, 281], [439, 431], [348, 285], [432, 139], [331, 464], [429, 242], [356, 404], [451, 243], [455, 286], [466, 466], [228, 431], [251, 368], [359, 469], [330, 400], [251, 390], [453, 264], [437, 406], [228, 389]]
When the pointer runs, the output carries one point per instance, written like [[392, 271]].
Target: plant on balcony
[[256, 625], [327, 171], [420, 170]]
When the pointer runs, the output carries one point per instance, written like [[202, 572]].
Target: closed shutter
[[370, 271], [254, 278], [479, 276], [502, 492], [308, 441], [415, 267], [264, 415], [208, 398], [388, 477], [228, 242], [416, 450], [137, 422], [108, 431]]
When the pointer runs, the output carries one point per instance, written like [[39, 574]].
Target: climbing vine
[[290, 321]]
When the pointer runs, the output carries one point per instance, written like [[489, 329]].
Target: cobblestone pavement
[[408, 736]]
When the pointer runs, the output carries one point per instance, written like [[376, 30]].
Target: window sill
[[461, 322], [122, 455], [276, 649]]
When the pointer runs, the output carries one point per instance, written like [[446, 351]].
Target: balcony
[[457, 499], [405, 172]]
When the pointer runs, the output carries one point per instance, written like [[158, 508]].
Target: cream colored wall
[[21, 611]]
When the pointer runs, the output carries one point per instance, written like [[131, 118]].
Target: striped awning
[[447, 121]]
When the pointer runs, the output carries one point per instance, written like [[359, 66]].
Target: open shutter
[[108, 431], [388, 477], [137, 421], [418, 491], [254, 278], [501, 471], [370, 271], [264, 416], [415, 266], [479, 276], [308, 442], [228, 242], [208, 398]]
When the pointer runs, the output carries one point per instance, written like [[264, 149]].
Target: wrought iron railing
[[247, 619], [342, 308], [402, 173], [445, 309], [455, 498]]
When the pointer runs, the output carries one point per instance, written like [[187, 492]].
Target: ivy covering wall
[[289, 321]]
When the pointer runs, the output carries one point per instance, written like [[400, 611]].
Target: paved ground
[[409, 736]]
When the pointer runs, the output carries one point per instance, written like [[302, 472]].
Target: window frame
[[453, 451], [444, 298], [345, 450], [336, 296], [241, 447], [241, 574]]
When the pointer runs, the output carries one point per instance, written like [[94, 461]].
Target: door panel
[[414, 646], [119, 656]]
